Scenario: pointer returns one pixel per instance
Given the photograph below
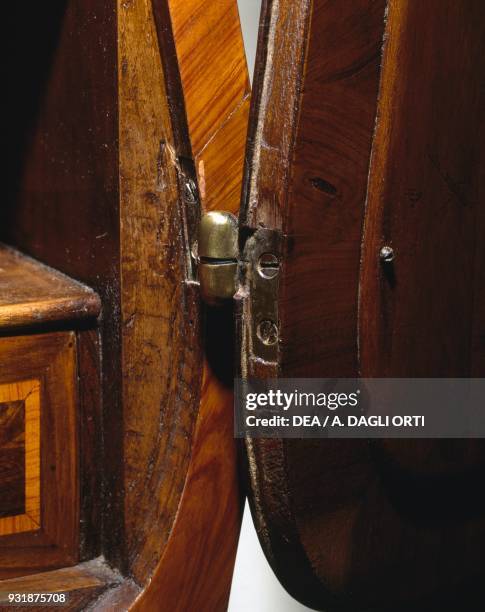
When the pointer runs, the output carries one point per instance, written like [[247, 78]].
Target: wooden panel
[[212, 64], [208, 83], [63, 206], [32, 294], [326, 196], [90, 441], [160, 313], [310, 140], [203, 494], [205, 534], [12, 457], [100, 195], [425, 315], [27, 393], [40, 371], [383, 525], [274, 111], [220, 164]]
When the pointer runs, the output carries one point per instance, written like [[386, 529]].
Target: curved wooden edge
[[274, 111], [195, 571], [32, 294], [172, 506], [196, 566], [182, 531], [160, 318]]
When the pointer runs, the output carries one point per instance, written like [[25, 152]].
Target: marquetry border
[[27, 391], [46, 363]]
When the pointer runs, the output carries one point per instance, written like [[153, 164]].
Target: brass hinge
[[253, 274], [218, 254], [259, 273]]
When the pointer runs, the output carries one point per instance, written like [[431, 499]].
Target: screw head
[[190, 191], [267, 332], [268, 265], [386, 254]]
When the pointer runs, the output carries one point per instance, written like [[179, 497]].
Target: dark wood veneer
[[12, 458], [352, 524], [43, 369]]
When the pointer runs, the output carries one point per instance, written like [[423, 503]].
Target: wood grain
[[425, 199], [274, 111], [12, 458], [210, 84], [311, 130], [28, 393], [351, 524], [32, 294], [83, 585], [203, 536], [215, 85], [63, 190], [90, 441], [102, 198], [41, 371], [160, 314]]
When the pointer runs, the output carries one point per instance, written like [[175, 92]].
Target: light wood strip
[[27, 391]]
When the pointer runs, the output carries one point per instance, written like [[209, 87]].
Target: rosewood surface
[[356, 524]]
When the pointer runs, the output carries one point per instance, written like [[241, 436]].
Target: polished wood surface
[[103, 198], [63, 190], [40, 371], [274, 111], [426, 190], [351, 524], [211, 85], [310, 139], [63, 205], [90, 441], [12, 457], [161, 345], [32, 294], [204, 535], [26, 394]]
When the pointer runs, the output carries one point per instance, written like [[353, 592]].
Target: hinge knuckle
[[220, 269], [218, 256]]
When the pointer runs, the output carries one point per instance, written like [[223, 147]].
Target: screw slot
[[268, 265], [267, 332]]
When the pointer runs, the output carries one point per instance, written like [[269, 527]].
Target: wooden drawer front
[[39, 506], [19, 456]]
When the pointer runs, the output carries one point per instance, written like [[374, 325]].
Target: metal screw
[[190, 191], [267, 332], [386, 254], [268, 265]]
